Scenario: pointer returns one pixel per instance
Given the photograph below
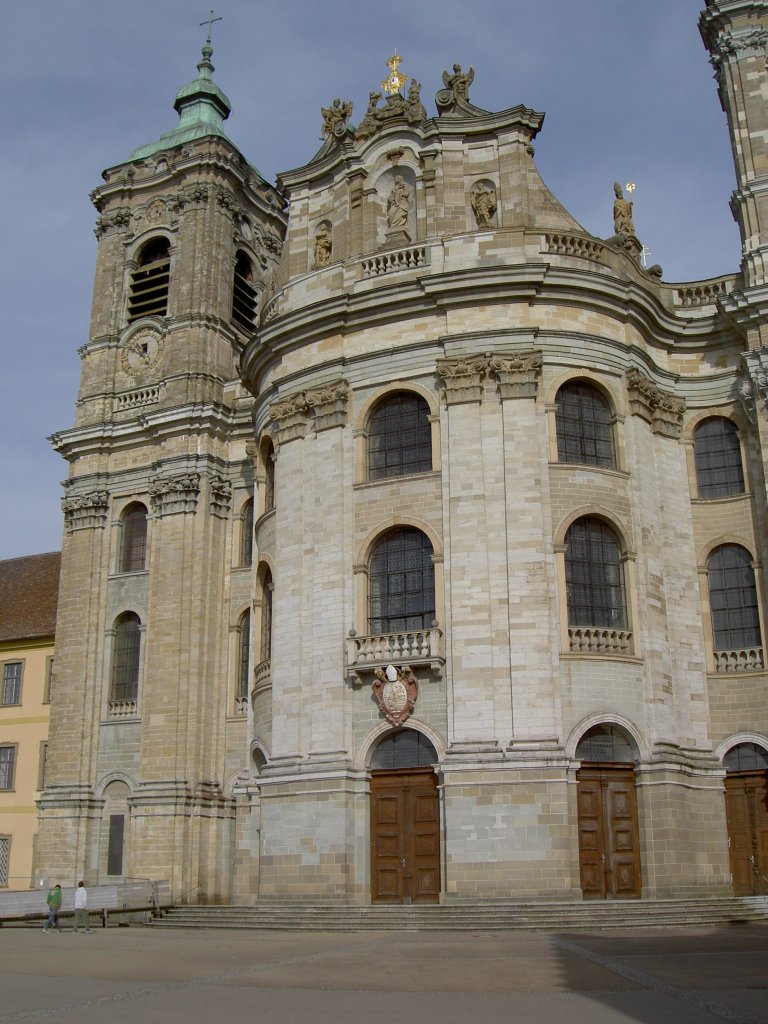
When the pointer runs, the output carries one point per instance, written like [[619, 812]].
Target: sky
[[627, 89]]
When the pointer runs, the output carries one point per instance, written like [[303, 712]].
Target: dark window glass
[[402, 583], [745, 757], [125, 658], [133, 553], [593, 575], [244, 650], [265, 645], [115, 847], [604, 743], [150, 280], [12, 682], [269, 474], [583, 423], [399, 437], [7, 765], [718, 459], [404, 749], [733, 599], [244, 294], [246, 538]]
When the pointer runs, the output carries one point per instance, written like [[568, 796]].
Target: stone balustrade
[[748, 660], [400, 259], [599, 640], [123, 708]]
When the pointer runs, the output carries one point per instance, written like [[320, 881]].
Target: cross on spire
[[210, 22]]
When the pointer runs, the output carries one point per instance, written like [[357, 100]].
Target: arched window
[[133, 540], [746, 757], [733, 599], [402, 583], [605, 743], [583, 424], [243, 654], [405, 748], [246, 534], [593, 575], [269, 476], [265, 632], [399, 436], [125, 663], [244, 294], [150, 280], [717, 453]]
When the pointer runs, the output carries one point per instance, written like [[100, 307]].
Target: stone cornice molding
[[115, 221], [171, 495], [85, 511], [662, 410], [463, 379], [726, 46], [319, 408]]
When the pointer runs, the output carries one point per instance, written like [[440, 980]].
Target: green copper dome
[[202, 109]]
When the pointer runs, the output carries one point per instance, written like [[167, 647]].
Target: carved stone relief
[[395, 690], [662, 410], [171, 495], [85, 511], [482, 198], [220, 499], [323, 245], [463, 380], [317, 408]]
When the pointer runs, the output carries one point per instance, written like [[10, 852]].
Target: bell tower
[[189, 238]]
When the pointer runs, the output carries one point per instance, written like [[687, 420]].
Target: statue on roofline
[[459, 82]]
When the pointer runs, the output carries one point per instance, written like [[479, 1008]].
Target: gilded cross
[[210, 21], [395, 80]]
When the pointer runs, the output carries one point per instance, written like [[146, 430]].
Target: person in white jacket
[[81, 914]]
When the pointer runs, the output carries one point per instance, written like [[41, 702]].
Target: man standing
[[81, 902], [53, 899]]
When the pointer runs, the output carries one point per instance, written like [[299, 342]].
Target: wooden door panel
[[609, 858], [405, 836], [746, 811]]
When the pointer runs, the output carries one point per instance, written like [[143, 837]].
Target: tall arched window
[[244, 294], [717, 453], [402, 583], [583, 424], [265, 632], [246, 534], [150, 281], [399, 436], [733, 599], [133, 540], [125, 663], [269, 476], [243, 654], [593, 575]]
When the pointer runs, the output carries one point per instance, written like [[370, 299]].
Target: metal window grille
[[246, 536], [12, 682], [402, 583], [733, 599], [605, 743], [125, 658], [745, 757], [269, 483], [150, 281], [243, 653], [265, 638], [133, 556], [717, 453], [7, 766], [244, 294], [406, 748], [5, 860], [593, 576], [583, 425], [399, 437]]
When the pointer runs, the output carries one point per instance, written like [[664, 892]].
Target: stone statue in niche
[[398, 204], [459, 82], [622, 213], [323, 246], [482, 198]]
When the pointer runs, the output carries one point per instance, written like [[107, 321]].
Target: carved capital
[[85, 511], [662, 410], [517, 374], [737, 45], [220, 497], [170, 495], [318, 408], [108, 223], [753, 388], [461, 380]]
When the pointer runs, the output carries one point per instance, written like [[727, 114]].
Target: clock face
[[141, 352]]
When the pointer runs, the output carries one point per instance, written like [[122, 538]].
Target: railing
[[599, 640], [123, 708], [141, 397], [748, 660], [574, 245], [399, 259]]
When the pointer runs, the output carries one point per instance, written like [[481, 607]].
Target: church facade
[[415, 537]]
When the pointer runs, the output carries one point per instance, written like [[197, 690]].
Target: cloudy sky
[[626, 87]]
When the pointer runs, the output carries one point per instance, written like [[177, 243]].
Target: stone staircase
[[493, 915]]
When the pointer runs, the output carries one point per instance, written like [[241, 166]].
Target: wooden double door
[[405, 836], [609, 855], [746, 808]]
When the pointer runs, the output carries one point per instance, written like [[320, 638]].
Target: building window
[[115, 844], [5, 861], [246, 534], [593, 576], [125, 663], [265, 632], [402, 583], [133, 546], [717, 453], [48, 685], [583, 426], [733, 599], [269, 477], [7, 766], [150, 281], [746, 757], [244, 294], [399, 437], [12, 682], [243, 653], [42, 764]]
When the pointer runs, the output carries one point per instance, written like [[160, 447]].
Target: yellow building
[[28, 596]]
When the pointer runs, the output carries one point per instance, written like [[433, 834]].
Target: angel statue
[[337, 113], [459, 82]]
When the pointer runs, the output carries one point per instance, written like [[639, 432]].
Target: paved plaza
[[653, 976]]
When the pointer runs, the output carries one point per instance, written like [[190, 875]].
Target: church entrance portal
[[405, 821], [746, 809]]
